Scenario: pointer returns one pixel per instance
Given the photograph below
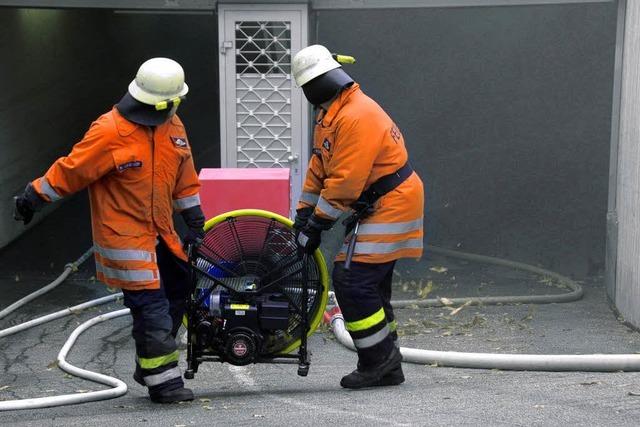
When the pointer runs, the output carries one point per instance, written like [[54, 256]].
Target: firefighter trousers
[[157, 314], [364, 296]]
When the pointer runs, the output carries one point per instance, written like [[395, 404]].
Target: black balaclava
[[324, 87], [141, 113]]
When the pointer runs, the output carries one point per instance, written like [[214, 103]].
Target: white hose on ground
[[68, 269], [520, 362], [575, 294], [58, 314], [515, 362], [118, 387]]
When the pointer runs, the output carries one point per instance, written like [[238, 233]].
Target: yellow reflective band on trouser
[[155, 362], [366, 323], [393, 326]]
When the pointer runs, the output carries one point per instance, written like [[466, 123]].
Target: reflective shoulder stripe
[[391, 227], [48, 190], [125, 254], [187, 202], [367, 322], [169, 374], [325, 207], [310, 198], [128, 275], [384, 248], [372, 339], [156, 362]]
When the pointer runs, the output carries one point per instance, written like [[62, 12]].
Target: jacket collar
[[336, 105], [125, 127]]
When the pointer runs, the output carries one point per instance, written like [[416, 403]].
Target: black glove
[[27, 204], [194, 218], [302, 216], [308, 239], [193, 237]]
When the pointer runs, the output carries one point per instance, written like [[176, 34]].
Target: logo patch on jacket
[[179, 141], [326, 144], [129, 165]]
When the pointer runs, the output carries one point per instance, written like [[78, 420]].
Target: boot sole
[[160, 399]]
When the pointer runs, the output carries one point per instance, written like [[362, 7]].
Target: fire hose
[[595, 362]]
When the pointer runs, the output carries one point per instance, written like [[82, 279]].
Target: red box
[[228, 189]]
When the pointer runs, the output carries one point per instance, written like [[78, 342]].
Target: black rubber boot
[[387, 372], [169, 396], [137, 376]]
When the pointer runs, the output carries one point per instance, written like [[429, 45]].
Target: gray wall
[[63, 68], [627, 279], [506, 111]]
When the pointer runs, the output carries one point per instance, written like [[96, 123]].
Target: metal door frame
[[300, 110]]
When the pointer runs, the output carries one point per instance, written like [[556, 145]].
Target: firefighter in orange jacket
[[360, 165], [136, 162]]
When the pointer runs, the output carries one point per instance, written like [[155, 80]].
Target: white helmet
[[311, 62], [158, 80]]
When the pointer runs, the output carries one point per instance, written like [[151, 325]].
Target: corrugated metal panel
[[627, 296]]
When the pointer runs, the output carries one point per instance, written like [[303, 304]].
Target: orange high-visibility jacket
[[136, 176], [355, 144]]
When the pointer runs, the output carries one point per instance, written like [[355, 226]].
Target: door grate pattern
[[263, 93]]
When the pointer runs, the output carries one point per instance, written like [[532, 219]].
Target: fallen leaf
[[207, 407], [591, 383], [258, 416], [439, 269], [205, 400], [82, 391], [52, 365], [4, 387], [465, 377], [538, 406], [457, 310], [634, 393], [446, 301]]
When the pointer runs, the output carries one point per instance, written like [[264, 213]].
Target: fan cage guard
[[255, 249]]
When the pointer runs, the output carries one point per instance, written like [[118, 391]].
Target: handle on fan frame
[[303, 364]]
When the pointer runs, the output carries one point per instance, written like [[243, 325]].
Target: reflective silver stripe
[[125, 254], [325, 207], [384, 248], [48, 190], [151, 380], [128, 275], [372, 340], [187, 202], [310, 198], [391, 228]]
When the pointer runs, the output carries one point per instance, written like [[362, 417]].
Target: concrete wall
[[506, 111], [627, 280], [63, 68]]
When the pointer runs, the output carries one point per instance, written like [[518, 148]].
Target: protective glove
[[309, 238], [194, 218], [27, 204], [193, 237], [302, 216]]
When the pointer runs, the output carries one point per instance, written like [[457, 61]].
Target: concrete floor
[[275, 395]]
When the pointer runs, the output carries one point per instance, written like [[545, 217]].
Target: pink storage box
[[228, 189]]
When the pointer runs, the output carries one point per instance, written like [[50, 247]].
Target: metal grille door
[[263, 116]]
